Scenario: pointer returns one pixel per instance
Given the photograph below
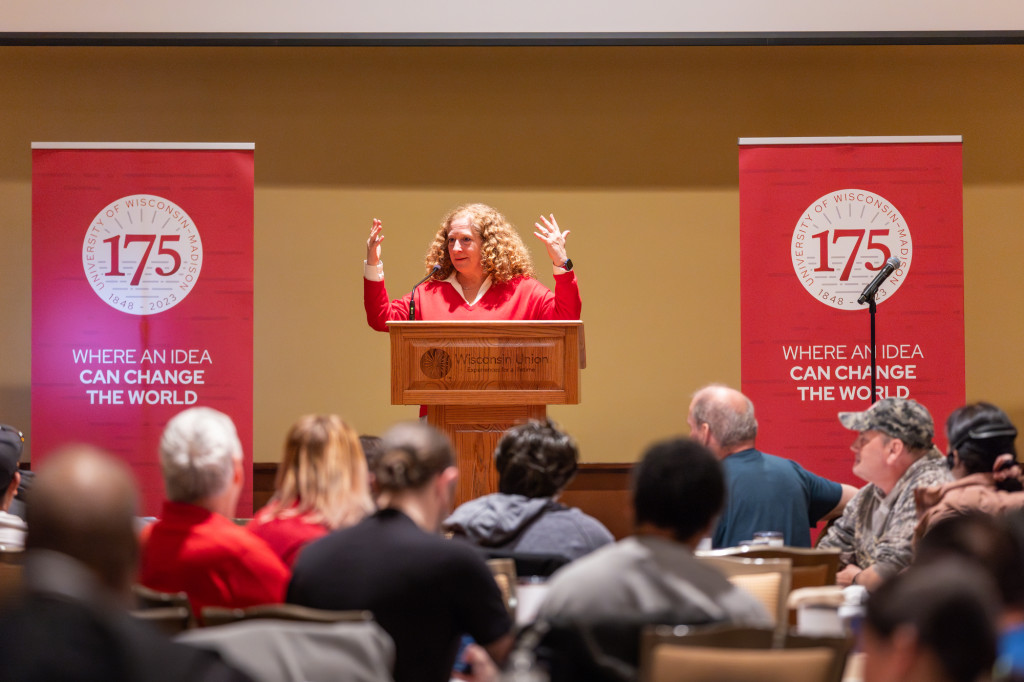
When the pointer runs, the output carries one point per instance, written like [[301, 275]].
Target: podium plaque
[[479, 378]]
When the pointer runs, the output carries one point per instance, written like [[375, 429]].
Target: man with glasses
[[894, 455]]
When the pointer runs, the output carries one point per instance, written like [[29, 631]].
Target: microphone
[[412, 298], [871, 289]]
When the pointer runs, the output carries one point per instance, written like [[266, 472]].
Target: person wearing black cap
[[983, 459], [12, 528], [895, 455]]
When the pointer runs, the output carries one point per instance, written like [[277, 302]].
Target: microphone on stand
[[871, 289], [412, 298]]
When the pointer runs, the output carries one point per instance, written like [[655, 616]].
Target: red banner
[[142, 296], [818, 220]]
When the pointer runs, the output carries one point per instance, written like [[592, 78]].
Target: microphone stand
[[891, 264], [412, 297], [874, 380]]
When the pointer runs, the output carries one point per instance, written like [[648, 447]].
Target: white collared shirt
[[453, 280]]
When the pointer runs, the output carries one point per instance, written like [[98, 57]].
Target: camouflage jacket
[[878, 529]]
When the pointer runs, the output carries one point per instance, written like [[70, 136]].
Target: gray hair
[[728, 426], [197, 454]]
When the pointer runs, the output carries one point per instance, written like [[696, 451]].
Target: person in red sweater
[[321, 486], [195, 547], [478, 269]]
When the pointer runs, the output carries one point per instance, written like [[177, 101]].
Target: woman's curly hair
[[502, 255]]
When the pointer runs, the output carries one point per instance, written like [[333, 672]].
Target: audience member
[[424, 591], [70, 623], [12, 528], [995, 546], [535, 462], [763, 492], [983, 459], [933, 623], [321, 486], [678, 490], [196, 547], [372, 446], [895, 455]]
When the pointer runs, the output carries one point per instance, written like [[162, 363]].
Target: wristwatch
[[567, 265]]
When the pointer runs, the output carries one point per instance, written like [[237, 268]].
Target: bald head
[[83, 504], [723, 419]]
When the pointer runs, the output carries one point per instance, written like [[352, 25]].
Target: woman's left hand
[[553, 238]]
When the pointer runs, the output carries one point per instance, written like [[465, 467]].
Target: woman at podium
[[477, 269]]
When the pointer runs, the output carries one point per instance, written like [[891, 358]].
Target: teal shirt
[[765, 492]]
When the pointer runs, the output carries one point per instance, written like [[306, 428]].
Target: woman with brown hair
[[477, 269], [321, 486]]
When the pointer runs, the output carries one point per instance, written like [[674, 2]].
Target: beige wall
[[633, 149]]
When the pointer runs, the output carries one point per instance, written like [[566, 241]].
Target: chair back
[[737, 654], [219, 615], [811, 567], [528, 563], [167, 607], [170, 620], [840, 647], [11, 561], [595, 650], [719, 635], [711, 664], [767, 580], [504, 572], [275, 650]]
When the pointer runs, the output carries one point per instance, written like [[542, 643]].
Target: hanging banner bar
[[819, 218], [142, 296]]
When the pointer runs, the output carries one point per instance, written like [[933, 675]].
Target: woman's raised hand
[[553, 238], [373, 243]]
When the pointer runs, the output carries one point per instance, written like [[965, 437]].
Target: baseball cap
[[11, 444], [901, 418]]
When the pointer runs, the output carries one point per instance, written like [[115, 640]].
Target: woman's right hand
[[373, 243]]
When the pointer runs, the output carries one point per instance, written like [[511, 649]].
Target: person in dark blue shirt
[[764, 492]]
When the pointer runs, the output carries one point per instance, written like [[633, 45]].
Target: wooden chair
[[811, 567], [706, 664], [170, 620], [504, 571], [767, 579], [528, 563], [167, 608], [730, 654], [11, 561], [270, 650], [219, 615], [840, 646], [598, 650], [722, 635]]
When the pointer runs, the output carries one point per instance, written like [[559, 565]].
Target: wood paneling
[[601, 490]]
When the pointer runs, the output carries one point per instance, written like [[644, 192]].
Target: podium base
[[474, 431]]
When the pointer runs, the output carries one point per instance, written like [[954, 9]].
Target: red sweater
[[207, 556], [522, 298], [288, 535]]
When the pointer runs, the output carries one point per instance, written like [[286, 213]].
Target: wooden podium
[[479, 378]]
